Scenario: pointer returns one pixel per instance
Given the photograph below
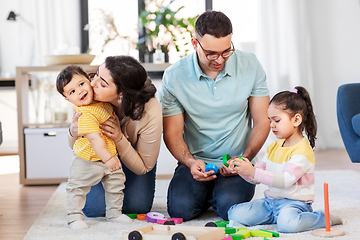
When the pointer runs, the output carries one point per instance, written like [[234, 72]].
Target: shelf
[[22, 90]]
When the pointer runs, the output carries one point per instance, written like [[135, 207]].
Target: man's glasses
[[215, 55]]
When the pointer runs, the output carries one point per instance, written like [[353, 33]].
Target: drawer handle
[[50, 134]]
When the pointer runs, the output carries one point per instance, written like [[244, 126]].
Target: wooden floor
[[21, 205]]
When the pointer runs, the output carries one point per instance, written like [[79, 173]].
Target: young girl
[[287, 168]]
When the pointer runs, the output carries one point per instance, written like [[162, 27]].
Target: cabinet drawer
[[47, 153]]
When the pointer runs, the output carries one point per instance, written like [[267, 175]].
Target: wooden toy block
[[244, 233], [259, 233], [221, 223], [274, 234], [229, 230], [165, 232]]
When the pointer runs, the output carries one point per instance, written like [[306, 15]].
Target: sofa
[[348, 116]]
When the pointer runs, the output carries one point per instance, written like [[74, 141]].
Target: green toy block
[[221, 223], [259, 233], [236, 237], [274, 234], [244, 233], [132, 215], [229, 230], [226, 157]]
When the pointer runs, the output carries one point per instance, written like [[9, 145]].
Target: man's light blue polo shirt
[[217, 117]]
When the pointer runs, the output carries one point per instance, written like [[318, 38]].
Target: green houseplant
[[164, 29]]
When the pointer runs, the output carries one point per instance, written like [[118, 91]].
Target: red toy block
[[227, 238], [175, 220]]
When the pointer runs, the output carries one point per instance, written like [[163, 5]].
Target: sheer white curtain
[[284, 48], [284, 44], [56, 25]]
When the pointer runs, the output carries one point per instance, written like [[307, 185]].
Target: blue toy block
[[211, 166]]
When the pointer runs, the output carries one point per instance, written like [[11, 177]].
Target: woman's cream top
[[146, 134]]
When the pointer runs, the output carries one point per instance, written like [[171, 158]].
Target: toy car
[[166, 232]]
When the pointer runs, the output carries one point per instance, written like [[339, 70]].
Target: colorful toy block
[[226, 157], [236, 237], [274, 234], [175, 220], [132, 215], [141, 217], [229, 230], [221, 223], [211, 166], [259, 233], [244, 233], [227, 238]]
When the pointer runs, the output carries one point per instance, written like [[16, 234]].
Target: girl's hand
[[227, 171], [242, 167], [111, 128], [74, 132]]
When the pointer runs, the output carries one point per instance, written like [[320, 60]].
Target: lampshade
[[12, 16]]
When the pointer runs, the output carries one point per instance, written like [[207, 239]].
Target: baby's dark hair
[[298, 101], [65, 76]]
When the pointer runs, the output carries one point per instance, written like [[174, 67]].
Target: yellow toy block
[[245, 233], [259, 233]]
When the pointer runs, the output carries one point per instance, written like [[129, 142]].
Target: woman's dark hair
[[298, 101], [214, 23], [65, 76], [131, 79]]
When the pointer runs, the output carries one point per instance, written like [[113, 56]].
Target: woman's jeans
[[188, 198], [290, 215], [138, 194]]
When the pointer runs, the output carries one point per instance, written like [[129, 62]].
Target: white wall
[[335, 39]]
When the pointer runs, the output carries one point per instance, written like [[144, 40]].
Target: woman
[[136, 131]]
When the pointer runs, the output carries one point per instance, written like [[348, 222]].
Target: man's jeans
[[290, 215], [138, 194], [187, 197]]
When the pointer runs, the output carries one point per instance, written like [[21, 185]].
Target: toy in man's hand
[[210, 166], [227, 157], [213, 167]]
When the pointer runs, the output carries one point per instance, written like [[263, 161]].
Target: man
[[214, 103]]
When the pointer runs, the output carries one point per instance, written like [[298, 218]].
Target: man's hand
[[197, 169]]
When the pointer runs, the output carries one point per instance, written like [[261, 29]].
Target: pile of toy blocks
[[236, 232]]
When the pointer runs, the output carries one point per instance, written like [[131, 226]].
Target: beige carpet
[[344, 201]]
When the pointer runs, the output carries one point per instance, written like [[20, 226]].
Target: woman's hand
[[73, 129], [111, 129]]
